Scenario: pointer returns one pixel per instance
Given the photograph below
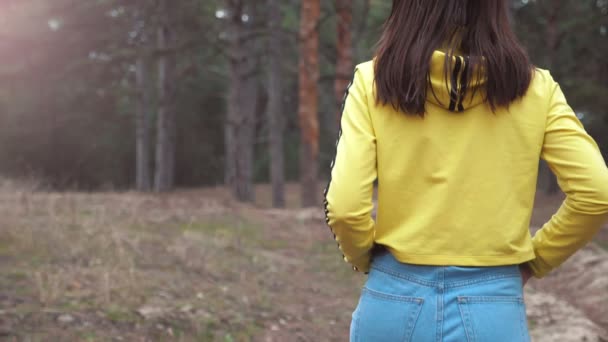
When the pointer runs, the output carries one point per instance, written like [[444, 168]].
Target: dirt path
[[575, 297], [553, 319]]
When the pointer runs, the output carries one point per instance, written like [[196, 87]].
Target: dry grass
[[188, 266]]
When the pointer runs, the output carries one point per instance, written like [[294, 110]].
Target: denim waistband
[[440, 276]]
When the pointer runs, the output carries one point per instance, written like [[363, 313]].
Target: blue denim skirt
[[402, 302]]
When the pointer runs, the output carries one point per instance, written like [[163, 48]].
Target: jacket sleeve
[[581, 172], [348, 197]]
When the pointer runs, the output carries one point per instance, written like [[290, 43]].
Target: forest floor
[[195, 266]]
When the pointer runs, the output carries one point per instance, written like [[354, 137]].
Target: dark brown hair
[[479, 29]]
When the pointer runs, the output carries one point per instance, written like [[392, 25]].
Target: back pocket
[[384, 317], [496, 319]]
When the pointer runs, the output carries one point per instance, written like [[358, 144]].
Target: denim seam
[[490, 299], [466, 321], [522, 318], [429, 283], [356, 330], [401, 276], [480, 280], [441, 289], [412, 323], [404, 299]]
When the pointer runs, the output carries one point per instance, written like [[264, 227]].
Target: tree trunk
[[245, 140], [308, 106], [165, 129], [142, 128], [240, 123], [275, 108], [344, 60]]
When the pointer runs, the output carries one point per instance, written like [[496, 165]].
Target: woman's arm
[[582, 174], [348, 198]]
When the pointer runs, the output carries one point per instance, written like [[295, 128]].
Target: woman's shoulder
[[542, 80], [366, 70], [364, 74], [366, 67]]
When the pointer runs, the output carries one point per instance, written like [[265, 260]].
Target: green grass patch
[[327, 258], [232, 225], [209, 329], [120, 315], [224, 227], [88, 336], [147, 227], [603, 244], [273, 244], [6, 245], [40, 258], [212, 331], [79, 304], [17, 284], [26, 309], [87, 213], [532, 324], [16, 275]]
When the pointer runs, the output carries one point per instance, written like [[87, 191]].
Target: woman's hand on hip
[[526, 273]]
